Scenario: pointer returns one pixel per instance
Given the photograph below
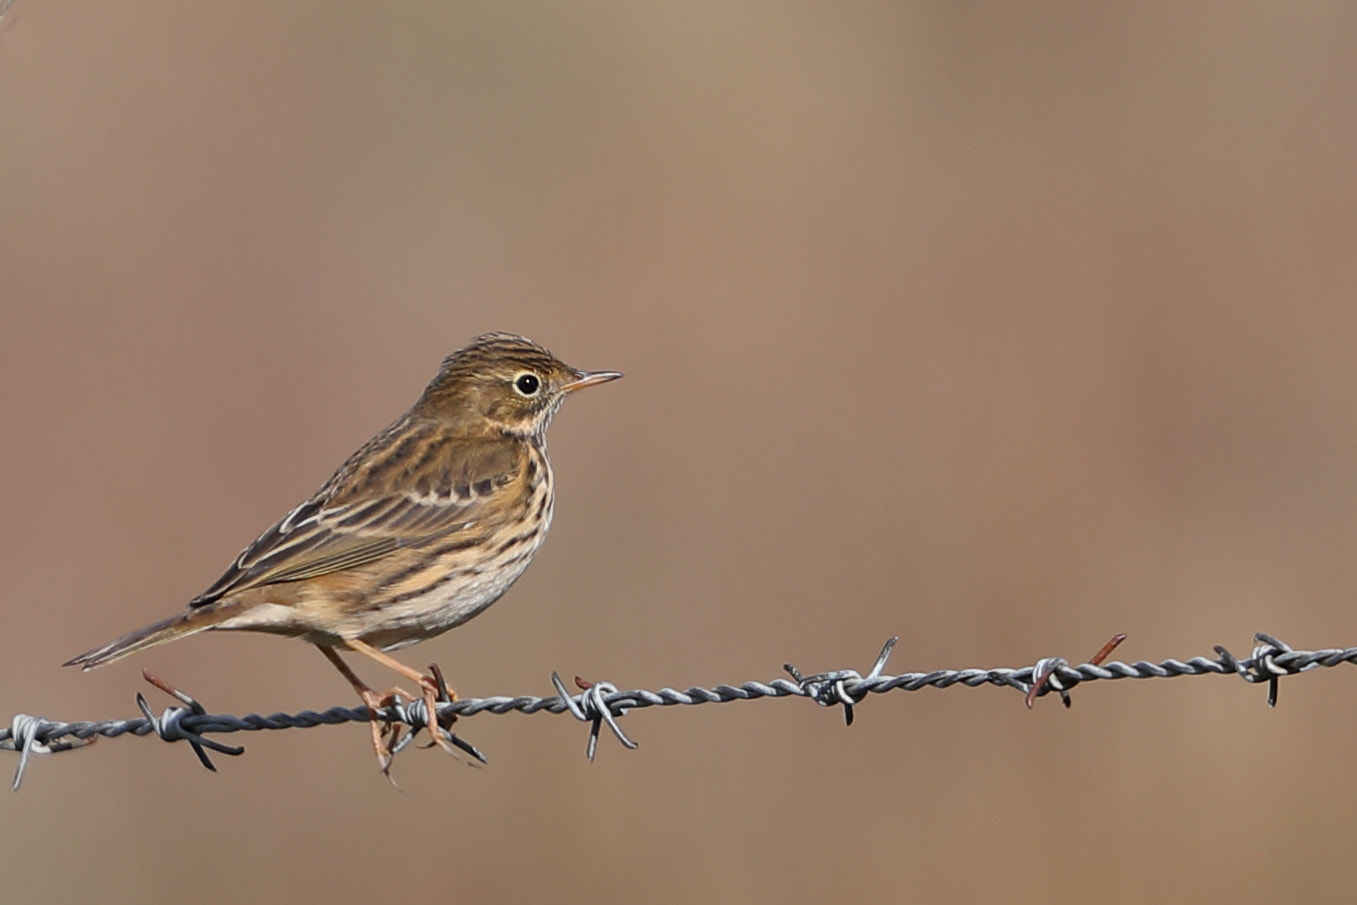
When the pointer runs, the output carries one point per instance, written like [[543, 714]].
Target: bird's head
[[504, 382]]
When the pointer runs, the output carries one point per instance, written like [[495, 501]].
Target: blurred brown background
[[1002, 328]]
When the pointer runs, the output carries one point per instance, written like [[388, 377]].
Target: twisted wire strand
[[601, 703]]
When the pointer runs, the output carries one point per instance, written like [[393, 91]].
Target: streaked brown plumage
[[422, 528]]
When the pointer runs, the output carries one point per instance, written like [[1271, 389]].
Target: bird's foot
[[386, 736], [436, 691]]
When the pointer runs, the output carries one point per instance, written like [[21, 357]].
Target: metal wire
[[600, 703]]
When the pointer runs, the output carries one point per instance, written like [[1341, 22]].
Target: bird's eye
[[527, 384]]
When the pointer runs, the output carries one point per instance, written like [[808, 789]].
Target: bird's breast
[[437, 586]]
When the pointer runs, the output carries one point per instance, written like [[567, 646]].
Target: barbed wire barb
[[169, 726], [600, 703], [592, 707], [840, 686]]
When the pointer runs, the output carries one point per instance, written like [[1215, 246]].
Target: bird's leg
[[374, 703], [428, 684]]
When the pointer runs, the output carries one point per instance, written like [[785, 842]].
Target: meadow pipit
[[422, 528]]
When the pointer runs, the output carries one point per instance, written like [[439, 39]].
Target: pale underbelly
[[394, 623]]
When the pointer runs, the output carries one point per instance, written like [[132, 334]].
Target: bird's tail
[[186, 623]]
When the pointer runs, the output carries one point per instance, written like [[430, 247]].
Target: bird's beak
[[589, 378]]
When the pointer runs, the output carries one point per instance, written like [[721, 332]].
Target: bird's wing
[[394, 493]]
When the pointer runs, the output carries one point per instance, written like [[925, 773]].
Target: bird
[[422, 528]]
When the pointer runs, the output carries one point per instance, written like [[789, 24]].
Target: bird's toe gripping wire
[[439, 723]]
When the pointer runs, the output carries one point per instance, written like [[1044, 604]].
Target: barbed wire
[[601, 703]]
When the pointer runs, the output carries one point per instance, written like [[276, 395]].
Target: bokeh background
[[1002, 327]]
